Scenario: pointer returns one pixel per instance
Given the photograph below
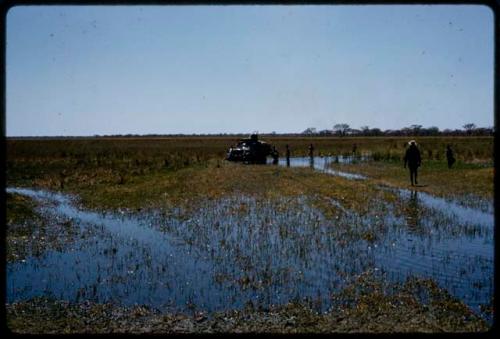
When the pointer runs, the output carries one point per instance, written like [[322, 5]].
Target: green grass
[[433, 176], [30, 233], [23, 222], [185, 187], [110, 165], [140, 172], [163, 172], [386, 148], [20, 209]]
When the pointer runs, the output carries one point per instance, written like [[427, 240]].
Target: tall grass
[[116, 160], [392, 148]]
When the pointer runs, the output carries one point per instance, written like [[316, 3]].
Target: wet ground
[[243, 250]]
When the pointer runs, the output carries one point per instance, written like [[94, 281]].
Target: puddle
[[242, 249], [475, 202], [450, 207], [322, 164], [454, 250]]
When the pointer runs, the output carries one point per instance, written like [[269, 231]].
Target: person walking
[[413, 160], [449, 156], [275, 156]]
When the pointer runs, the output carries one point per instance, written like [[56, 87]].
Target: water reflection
[[322, 164], [240, 249], [413, 214], [450, 207]]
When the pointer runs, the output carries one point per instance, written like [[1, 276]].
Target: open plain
[[163, 235]]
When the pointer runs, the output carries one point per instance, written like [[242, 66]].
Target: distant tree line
[[341, 130]]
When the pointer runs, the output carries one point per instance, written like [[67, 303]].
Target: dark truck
[[251, 151]]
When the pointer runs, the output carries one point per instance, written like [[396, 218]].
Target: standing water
[[241, 249], [322, 164]]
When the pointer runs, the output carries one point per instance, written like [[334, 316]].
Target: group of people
[[412, 158]]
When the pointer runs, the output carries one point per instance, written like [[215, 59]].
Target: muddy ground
[[364, 307]]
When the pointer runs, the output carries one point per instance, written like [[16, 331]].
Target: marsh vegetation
[[107, 226]]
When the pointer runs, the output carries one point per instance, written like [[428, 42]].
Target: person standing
[[275, 156], [311, 156], [449, 156], [311, 150], [413, 160]]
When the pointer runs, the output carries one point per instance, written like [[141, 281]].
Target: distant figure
[[254, 147], [449, 156], [311, 156], [287, 156], [275, 156], [354, 148], [413, 159], [311, 150]]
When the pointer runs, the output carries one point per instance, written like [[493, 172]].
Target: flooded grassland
[[222, 247], [468, 179]]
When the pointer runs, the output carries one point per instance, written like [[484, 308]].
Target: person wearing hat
[[413, 160]]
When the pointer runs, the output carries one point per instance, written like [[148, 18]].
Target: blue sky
[[85, 70]]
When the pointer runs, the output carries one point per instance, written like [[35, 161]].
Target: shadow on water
[[240, 249]]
